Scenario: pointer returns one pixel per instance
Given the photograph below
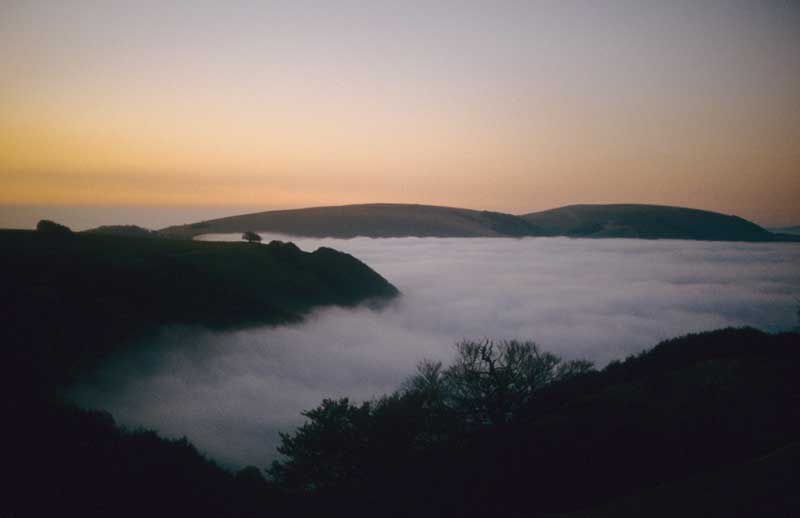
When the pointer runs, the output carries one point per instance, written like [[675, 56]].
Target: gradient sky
[[512, 106]]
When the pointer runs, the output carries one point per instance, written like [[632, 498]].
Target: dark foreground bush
[[510, 431]]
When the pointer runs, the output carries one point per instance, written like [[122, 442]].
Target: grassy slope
[[646, 221], [69, 300], [765, 486], [373, 220], [398, 220], [794, 231]]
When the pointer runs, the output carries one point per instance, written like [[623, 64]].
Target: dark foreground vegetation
[[703, 425], [509, 431]]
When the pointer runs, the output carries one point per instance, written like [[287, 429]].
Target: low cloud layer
[[231, 393]]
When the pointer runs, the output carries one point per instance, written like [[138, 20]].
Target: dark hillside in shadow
[[709, 403], [69, 299]]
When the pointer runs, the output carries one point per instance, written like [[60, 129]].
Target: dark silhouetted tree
[[474, 439], [345, 447], [323, 453], [251, 237], [489, 381]]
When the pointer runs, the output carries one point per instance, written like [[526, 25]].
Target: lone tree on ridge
[[251, 237]]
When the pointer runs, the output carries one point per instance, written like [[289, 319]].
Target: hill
[[122, 230], [647, 222], [71, 298], [759, 487], [371, 220], [61, 460], [400, 220], [795, 230]]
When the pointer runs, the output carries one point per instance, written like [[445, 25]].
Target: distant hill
[[647, 222], [122, 230], [71, 298], [372, 220], [795, 231], [401, 220]]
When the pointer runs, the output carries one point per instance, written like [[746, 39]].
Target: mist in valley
[[231, 393]]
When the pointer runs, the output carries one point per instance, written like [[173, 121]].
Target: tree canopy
[[251, 237], [345, 445]]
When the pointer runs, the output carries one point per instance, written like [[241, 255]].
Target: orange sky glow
[[505, 106]]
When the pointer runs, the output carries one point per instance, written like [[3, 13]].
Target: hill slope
[[702, 425], [759, 487], [795, 230], [72, 298], [646, 222], [696, 419], [122, 230], [400, 220], [371, 220]]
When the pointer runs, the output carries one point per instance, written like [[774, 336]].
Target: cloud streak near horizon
[[231, 392]]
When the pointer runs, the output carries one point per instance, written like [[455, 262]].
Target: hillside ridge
[[130, 286], [384, 220]]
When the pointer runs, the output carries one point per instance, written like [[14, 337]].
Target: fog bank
[[231, 392]]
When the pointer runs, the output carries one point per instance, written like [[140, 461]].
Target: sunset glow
[[516, 106]]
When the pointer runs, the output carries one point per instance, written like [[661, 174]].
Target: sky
[[513, 106], [232, 392]]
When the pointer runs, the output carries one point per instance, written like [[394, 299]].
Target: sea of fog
[[232, 392]]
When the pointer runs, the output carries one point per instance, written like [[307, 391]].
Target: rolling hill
[[371, 220], [646, 222], [402, 220], [122, 230], [795, 230], [73, 298]]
